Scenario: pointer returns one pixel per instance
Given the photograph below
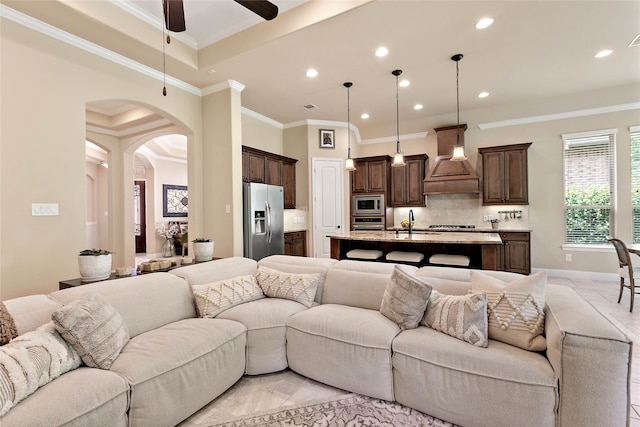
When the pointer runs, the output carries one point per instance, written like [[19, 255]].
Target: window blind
[[635, 183], [588, 188]]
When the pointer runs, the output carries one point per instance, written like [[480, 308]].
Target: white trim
[[561, 116], [575, 274], [634, 128], [586, 248], [149, 153], [262, 118], [227, 84], [130, 131], [589, 134], [70, 39], [394, 138]]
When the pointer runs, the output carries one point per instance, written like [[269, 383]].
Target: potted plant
[[94, 264], [494, 223], [202, 249]]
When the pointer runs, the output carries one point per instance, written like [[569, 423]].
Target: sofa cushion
[[145, 302], [213, 271], [66, 402], [405, 299], [296, 287], [214, 298], [8, 329], [93, 328], [461, 316], [345, 347], [31, 311], [31, 361], [515, 309], [178, 368], [457, 281], [500, 385]]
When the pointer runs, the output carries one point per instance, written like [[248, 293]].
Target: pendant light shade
[[348, 164], [398, 157], [458, 149]]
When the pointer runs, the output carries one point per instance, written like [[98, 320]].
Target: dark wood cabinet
[[515, 253], [295, 243], [273, 169], [407, 182], [505, 175], [371, 175]]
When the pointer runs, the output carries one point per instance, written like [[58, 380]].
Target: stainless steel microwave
[[368, 205]]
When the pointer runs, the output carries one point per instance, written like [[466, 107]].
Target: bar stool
[[450, 260], [413, 258], [364, 254]]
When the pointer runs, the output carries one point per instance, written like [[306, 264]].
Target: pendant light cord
[[457, 105], [348, 122]]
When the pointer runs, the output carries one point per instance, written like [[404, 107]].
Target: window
[[635, 182], [589, 187]]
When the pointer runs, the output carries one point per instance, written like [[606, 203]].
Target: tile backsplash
[[295, 219]]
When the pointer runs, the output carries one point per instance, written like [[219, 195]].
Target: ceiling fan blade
[[173, 15], [263, 8]]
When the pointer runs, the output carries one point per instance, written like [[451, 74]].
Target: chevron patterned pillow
[[214, 298], [297, 287], [460, 316], [515, 309]]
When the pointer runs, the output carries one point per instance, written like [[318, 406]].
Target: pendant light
[[348, 164], [398, 158], [458, 149]]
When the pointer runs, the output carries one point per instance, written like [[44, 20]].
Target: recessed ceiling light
[[382, 51], [484, 23], [483, 94], [418, 107], [364, 116], [312, 73], [404, 83], [603, 53]]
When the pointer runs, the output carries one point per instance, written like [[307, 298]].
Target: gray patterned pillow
[[297, 287], [214, 298], [461, 316], [93, 328], [405, 298]]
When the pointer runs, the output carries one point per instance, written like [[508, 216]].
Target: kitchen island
[[481, 248]]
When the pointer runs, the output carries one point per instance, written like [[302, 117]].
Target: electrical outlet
[[568, 258], [485, 218]]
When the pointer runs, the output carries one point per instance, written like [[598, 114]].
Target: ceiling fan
[[174, 12]]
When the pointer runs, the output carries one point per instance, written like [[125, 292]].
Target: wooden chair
[[626, 270]]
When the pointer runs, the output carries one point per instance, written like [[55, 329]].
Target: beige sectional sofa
[[175, 362]]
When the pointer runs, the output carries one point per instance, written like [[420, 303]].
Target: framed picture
[[327, 138], [175, 200]]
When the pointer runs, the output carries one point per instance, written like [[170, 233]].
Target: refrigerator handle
[[268, 210]]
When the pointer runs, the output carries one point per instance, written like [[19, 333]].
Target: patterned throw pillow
[[461, 316], [297, 287], [515, 309], [8, 329], [93, 328], [30, 361], [214, 298], [405, 298]]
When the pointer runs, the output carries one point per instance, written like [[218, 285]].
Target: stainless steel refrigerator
[[263, 220]]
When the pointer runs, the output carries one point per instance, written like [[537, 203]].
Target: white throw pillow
[[214, 298], [405, 298], [460, 316], [515, 309], [297, 287]]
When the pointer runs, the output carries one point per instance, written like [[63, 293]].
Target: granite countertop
[[465, 230], [487, 238]]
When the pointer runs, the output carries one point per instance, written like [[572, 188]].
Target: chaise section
[[346, 347], [500, 385], [178, 368]]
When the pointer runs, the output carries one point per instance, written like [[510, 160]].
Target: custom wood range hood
[[450, 176]]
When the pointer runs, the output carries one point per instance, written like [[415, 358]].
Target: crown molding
[[227, 84], [561, 116], [262, 118], [407, 137], [70, 39]]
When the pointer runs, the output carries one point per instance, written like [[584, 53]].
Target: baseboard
[[575, 274]]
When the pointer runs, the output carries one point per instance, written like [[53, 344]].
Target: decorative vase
[[93, 268], [203, 251], [167, 248]]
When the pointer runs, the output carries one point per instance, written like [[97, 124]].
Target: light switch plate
[[44, 209]]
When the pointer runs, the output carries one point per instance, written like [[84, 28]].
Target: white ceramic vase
[[94, 268], [203, 251]]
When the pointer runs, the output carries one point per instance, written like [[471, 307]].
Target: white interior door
[[327, 203]]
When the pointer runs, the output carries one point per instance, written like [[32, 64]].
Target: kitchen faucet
[[411, 219]]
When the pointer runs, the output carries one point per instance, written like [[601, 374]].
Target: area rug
[[353, 410]]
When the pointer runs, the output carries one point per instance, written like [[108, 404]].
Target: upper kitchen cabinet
[[371, 175], [407, 182], [272, 169], [505, 176]]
